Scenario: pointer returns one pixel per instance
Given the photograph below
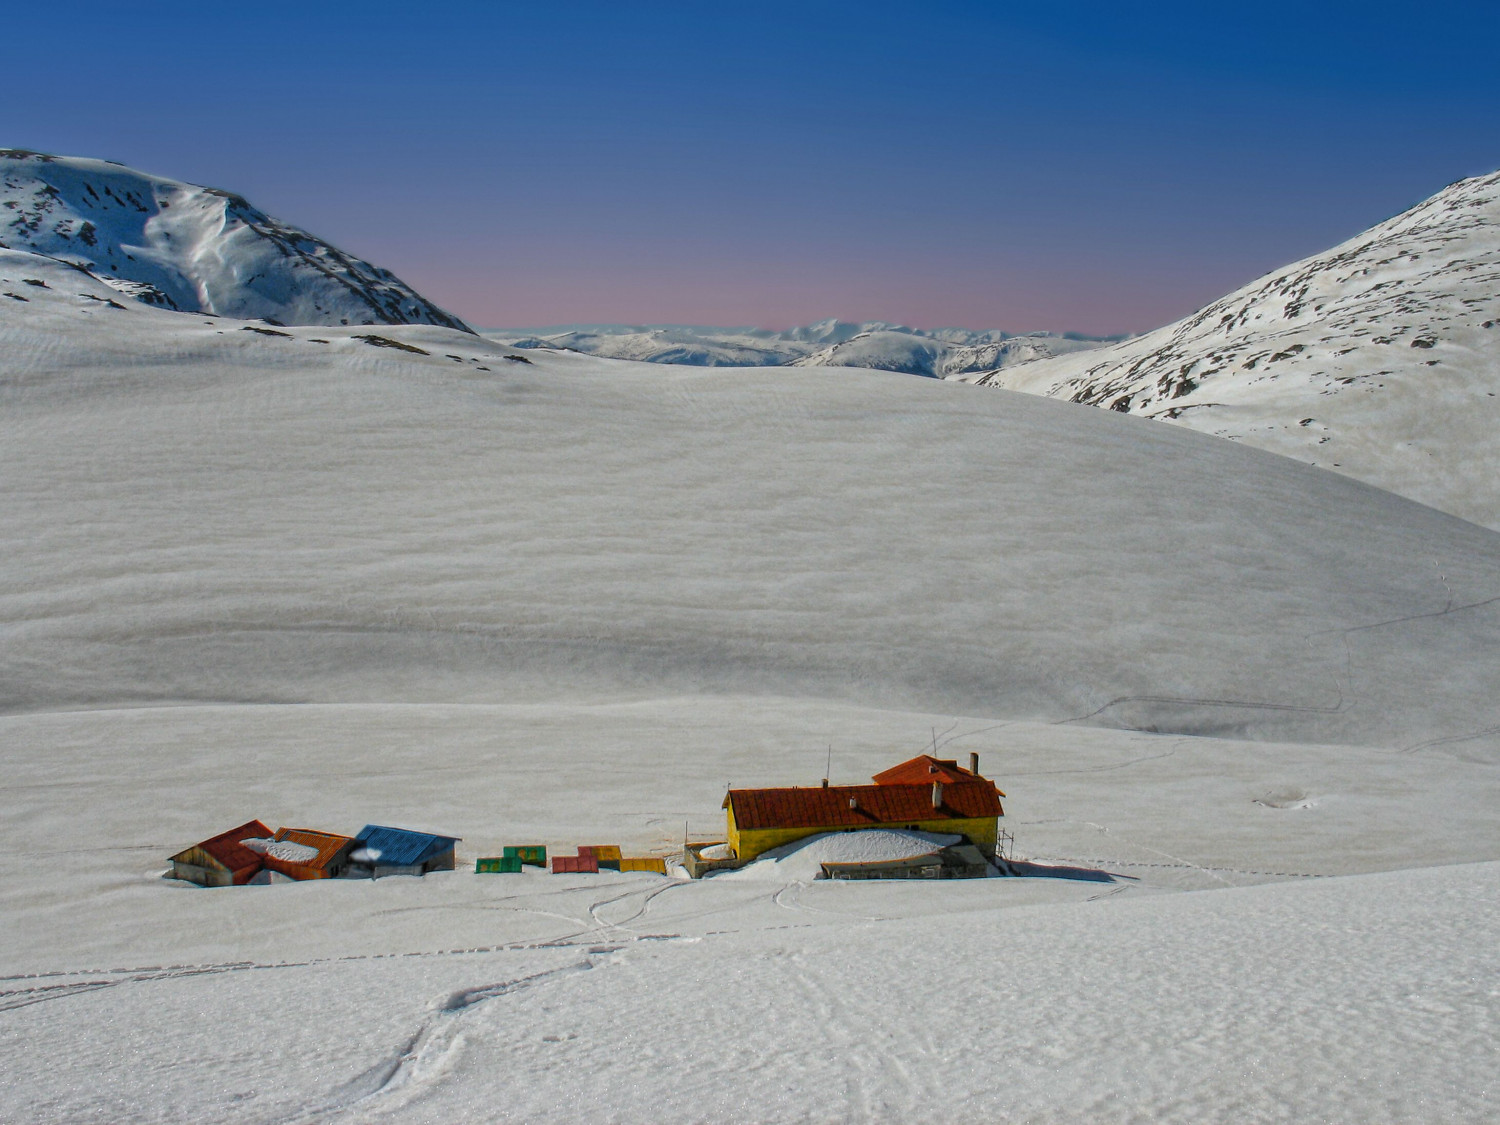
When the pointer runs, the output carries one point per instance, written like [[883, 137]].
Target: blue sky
[[1096, 167]]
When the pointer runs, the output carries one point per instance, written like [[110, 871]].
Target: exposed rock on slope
[[1379, 358], [193, 249]]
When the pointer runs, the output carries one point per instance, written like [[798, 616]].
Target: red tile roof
[[227, 849], [924, 769], [872, 804]]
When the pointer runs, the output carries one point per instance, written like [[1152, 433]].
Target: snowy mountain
[[1379, 359], [937, 357], [193, 249], [875, 345]]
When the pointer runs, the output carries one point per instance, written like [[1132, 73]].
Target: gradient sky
[[1096, 167]]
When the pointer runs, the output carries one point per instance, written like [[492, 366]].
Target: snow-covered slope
[[334, 576], [828, 343], [192, 248], [199, 510], [1379, 358]]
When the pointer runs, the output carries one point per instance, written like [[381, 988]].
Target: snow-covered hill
[[1379, 359], [193, 249], [577, 521], [875, 345], [340, 575]]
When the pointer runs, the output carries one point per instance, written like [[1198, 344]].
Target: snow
[[266, 878], [288, 850], [1242, 709], [193, 249], [200, 512], [803, 860], [874, 345], [917, 354], [1379, 358]]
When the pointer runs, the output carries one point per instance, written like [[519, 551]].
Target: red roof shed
[[222, 860]]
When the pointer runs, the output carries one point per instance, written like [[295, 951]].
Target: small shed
[[305, 853], [607, 855], [497, 865], [222, 860], [531, 855], [380, 850]]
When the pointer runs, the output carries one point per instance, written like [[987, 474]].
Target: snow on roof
[[281, 849], [323, 846]]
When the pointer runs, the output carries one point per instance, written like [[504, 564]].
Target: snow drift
[[803, 860]]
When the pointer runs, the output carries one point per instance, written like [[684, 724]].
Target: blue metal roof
[[401, 847]]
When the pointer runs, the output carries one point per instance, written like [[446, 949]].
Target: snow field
[[1367, 998], [200, 512]]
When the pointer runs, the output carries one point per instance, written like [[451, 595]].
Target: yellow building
[[925, 794]]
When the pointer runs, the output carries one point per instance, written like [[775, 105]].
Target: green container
[[533, 854], [494, 865]]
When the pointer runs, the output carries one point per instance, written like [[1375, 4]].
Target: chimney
[[937, 794], [825, 783], [974, 764]]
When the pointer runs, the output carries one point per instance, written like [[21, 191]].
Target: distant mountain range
[[875, 344], [193, 249], [1379, 358]]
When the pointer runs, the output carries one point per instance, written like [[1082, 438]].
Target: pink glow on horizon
[[548, 293]]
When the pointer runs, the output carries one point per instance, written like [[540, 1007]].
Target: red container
[[574, 865]]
